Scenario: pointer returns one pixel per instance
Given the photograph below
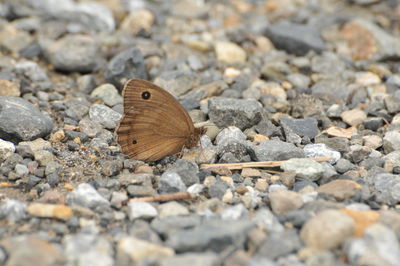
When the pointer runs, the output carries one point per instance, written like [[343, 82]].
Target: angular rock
[[304, 168], [85, 195], [104, 115], [276, 150]]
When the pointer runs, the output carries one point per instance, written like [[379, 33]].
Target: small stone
[[12, 210], [21, 170], [321, 150], [387, 188], [141, 209], [177, 82], [343, 165], [283, 201], [305, 127], [304, 168], [57, 136], [392, 104], [353, 117], [229, 134], [276, 150], [74, 53], [367, 79], [138, 22], [391, 141], [9, 88], [58, 211], [379, 246], [295, 38], [21, 120], [279, 244], [229, 53], [104, 115], [132, 251], [250, 172], [89, 127], [85, 195], [6, 149], [171, 209], [336, 131], [362, 219], [108, 94], [25, 250], [340, 189], [373, 123], [127, 64], [117, 198], [372, 141], [315, 235], [171, 182]]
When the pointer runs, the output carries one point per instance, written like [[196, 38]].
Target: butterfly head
[[193, 140]]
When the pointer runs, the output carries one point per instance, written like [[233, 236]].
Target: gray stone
[[89, 127], [305, 127], [229, 134], [276, 150], [299, 80], [126, 65], [177, 82], [187, 171], [387, 188], [77, 108], [265, 219], [391, 141], [140, 209], [108, 94], [321, 150], [192, 259], [171, 182], [37, 77], [74, 53], [85, 195], [6, 149], [213, 235], [283, 201], [295, 38], [279, 244], [379, 246], [12, 210], [104, 115], [21, 120], [236, 212], [226, 112], [331, 91], [172, 208], [88, 249], [168, 225], [90, 15]]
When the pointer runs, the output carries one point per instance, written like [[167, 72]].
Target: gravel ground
[[271, 80]]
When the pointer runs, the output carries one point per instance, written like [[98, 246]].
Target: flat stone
[[340, 189], [391, 141], [108, 94], [57, 211], [172, 208], [177, 82], [304, 168], [279, 244], [229, 53], [353, 117], [276, 150], [85, 195], [303, 127], [321, 150], [104, 115], [140, 209]]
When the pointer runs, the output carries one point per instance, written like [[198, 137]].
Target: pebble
[[315, 235], [386, 186], [305, 127], [229, 53], [177, 82], [234, 112], [131, 250], [321, 150], [25, 249], [129, 63], [295, 38], [22, 121], [104, 115], [353, 117], [74, 53], [9, 88], [140, 209], [171, 182], [304, 168], [171, 209], [276, 150], [280, 244], [6, 149], [340, 189], [12, 210], [108, 94], [391, 141], [229, 134], [283, 201], [50, 211], [86, 196]]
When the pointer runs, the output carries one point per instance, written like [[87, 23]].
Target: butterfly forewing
[[154, 125]]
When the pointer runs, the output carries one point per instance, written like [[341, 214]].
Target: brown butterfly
[[155, 124]]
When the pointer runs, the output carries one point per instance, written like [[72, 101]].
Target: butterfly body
[[155, 124]]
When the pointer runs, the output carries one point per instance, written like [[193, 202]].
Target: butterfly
[[154, 124]]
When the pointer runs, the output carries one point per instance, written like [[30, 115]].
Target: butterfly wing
[[154, 125]]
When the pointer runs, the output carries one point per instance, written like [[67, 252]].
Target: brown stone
[[340, 189], [283, 201], [362, 219]]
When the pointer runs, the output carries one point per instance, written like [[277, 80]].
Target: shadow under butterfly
[[154, 124]]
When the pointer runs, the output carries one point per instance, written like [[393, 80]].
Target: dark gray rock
[[303, 127], [74, 53], [280, 244], [373, 123], [171, 182], [188, 171], [168, 225], [276, 150], [218, 189], [213, 235], [21, 120], [34, 77], [387, 188], [294, 38], [126, 65], [104, 115], [234, 112], [331, 91]]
